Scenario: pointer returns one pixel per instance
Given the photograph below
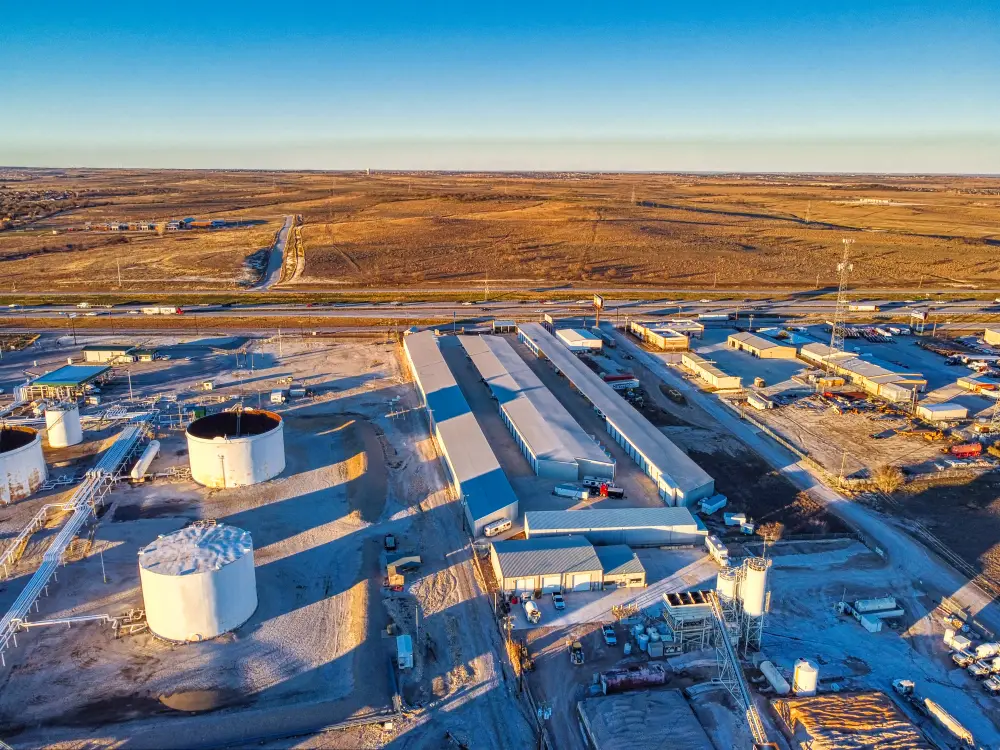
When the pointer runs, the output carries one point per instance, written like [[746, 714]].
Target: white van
[[497, 527]]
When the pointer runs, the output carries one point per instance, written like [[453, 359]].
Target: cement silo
[[236, 448], [805, 678], [199, 582], [22, 464], [726, 584], [62, 424], [753, 587]]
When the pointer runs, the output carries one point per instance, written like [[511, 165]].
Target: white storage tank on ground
[[22, 463], [726, 583], [62, 424], [805, 678], [236, 448], [199, 582], [753, 588], [779, 683]]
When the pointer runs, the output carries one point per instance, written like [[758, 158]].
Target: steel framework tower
[[843, 268]]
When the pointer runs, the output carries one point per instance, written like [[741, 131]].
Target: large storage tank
[[62, 423], [726, 583], [22, 464], [774, 678], [805, 678], [753, 588], [199, 582], [236, 448]]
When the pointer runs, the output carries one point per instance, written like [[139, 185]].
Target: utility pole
[[118, 263], [131, 397], [843, 268]]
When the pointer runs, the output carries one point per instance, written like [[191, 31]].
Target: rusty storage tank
[[199, 582], [22, 464], [236, 448]]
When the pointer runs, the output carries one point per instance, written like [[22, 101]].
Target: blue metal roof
[[71, 375]]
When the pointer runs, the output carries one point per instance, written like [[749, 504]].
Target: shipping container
[[712, 504]]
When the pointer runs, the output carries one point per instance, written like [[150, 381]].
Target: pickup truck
[[608, 631]]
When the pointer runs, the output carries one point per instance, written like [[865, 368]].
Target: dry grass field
[[444, 229]]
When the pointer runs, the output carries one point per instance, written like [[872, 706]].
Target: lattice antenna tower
[[840, 314]]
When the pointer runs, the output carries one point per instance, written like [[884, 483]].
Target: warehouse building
[[992, 336], [548, 436], [876, 378], [976, 383], [636, 527], [620, 566], [504, 326], [580, 340], [68, 383], [108, 353], [567, 563], [668, 335], [678, 479], [760, 346], [473, 468], [946, 412], [710, 372]]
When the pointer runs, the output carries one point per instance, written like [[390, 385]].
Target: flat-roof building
[[710, 372], [761, 346], [580, 340], [620, 566], [678, 479], [637, 527], [992, 336], [549, 438], [942, 412], [877, 378], [668, 335], [566, 563], [69, 382], [472, 466], [504, 326], [114, 353]]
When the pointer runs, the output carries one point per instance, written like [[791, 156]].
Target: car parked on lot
[[558, 601]]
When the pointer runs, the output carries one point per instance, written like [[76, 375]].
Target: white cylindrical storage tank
[[199, 582], [236, 448], [753, 587], [62, 423], [774, 678], [806, 678], [22, 463], [726, 583], [643, 640]]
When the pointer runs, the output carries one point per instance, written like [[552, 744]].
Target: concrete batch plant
[[199, 582], [62, 425], [22, 464], [236, 448]]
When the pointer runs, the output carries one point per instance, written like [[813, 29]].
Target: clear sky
[[700, 85]]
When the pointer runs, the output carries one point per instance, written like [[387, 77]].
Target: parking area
[[667, 570]]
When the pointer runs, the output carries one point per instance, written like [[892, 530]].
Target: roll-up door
[[581, 581], [551, 583]]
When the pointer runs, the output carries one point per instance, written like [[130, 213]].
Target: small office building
[[761, 346], [710, 372], [108, 353], [580, 340]]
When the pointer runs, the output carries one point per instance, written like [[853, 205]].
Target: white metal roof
[[947, 407], [757, 342], [577, 336], [594, 519], [710, 367], [546, 556], [550, 431], [482, 481], [619, 560], [676, 468], [196, 549]]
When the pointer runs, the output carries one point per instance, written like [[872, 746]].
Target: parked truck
[[966, 450], [907, 690]]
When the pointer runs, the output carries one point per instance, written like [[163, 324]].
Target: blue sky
[[775, 86]]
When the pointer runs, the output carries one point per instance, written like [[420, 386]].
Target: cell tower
[[843, 268]]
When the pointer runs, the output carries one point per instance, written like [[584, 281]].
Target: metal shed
[[942, 412], [761, 346], [637, 527], [621, 566], [567, 563], [580, 340]]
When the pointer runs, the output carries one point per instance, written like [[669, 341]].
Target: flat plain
[[440, 229]]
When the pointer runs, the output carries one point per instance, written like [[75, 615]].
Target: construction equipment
[[576, 653]]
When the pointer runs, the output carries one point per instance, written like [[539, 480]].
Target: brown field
[[444, 229]]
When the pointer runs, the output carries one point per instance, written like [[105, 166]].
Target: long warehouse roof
[[553, 554], [672, 462], [610, 518], [476, 468], [550, 431], [757, 342]]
